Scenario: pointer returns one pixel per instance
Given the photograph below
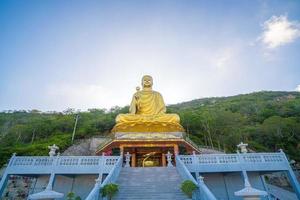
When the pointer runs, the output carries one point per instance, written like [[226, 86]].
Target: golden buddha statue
[[147, 112]]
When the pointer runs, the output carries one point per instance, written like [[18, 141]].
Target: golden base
[[148, 127]]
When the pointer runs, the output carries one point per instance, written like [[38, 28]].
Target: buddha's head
[[147, 81]]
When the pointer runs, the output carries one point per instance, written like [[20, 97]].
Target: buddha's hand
[[137, 97]]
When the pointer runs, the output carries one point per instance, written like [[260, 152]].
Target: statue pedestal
[[148, 135], [149, 127]]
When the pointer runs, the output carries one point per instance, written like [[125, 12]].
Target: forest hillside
[[268, 121]]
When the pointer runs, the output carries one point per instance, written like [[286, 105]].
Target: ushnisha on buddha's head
[[147, 82]]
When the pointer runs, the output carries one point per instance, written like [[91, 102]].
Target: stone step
[[145, 195], [145, 191], [159, 183], [158, 197]]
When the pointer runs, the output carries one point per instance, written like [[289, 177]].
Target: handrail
[[183, 171], [109, 139], [280, 193], [202, 192], [114, 173], [111, 178], [205, 192], [199, 147]]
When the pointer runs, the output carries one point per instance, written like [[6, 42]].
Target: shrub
[[110, 190], [71, 196], [188, 187]]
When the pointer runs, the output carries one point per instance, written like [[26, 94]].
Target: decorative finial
[[53, 149], [243, 147]]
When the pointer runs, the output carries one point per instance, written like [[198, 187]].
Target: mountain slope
[[266, 120]]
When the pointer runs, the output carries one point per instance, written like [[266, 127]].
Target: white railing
[[234, 162], [61, 164], [21, 165]]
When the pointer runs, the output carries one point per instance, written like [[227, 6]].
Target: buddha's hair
[[147, 76]]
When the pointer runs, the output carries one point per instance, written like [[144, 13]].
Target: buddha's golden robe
[[147, 114]]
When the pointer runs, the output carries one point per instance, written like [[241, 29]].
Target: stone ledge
[[148, 135]]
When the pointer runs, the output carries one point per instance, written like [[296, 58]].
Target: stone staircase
[[159, 183]]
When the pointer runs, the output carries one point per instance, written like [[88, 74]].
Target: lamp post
[[53, 150], [75, 125], [169, 159], [243, 147], [127, 159]]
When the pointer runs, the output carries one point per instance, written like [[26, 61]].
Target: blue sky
[[92, 54]]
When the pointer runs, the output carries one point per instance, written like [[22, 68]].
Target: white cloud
[[224, 58], [298, 88], [278, 31]]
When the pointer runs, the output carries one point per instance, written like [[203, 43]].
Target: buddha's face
[[147, 81]]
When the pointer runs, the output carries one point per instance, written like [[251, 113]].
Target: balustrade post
[[199, 192], [57, 160], [204, 192], [98, 185], [240, 158], [194, 160], [95, 193], [200, 179], [218, 159], [52, 175], [102, 163]]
